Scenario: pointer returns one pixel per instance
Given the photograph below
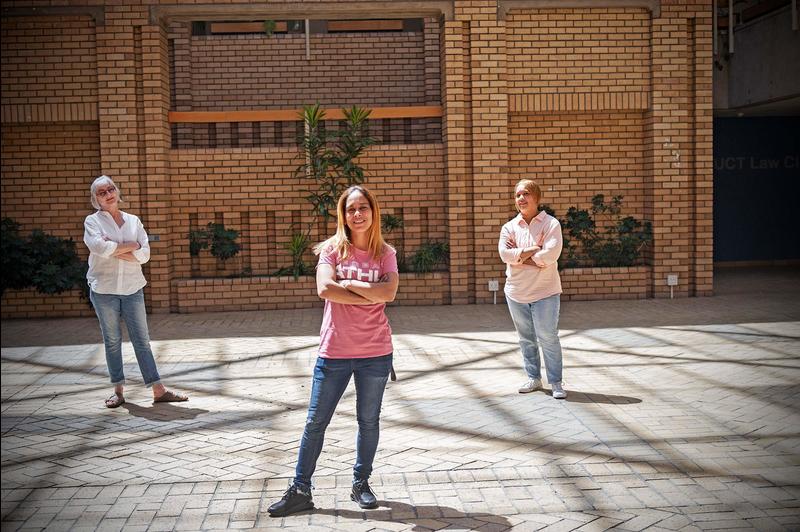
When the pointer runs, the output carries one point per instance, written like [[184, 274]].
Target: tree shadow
[[163, 411], [399, 512]]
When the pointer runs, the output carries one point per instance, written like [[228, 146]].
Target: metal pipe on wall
[[714, 29], [308, 40]]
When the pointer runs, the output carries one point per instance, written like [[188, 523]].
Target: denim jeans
[[111, 309], [331, 377], [537, 324]]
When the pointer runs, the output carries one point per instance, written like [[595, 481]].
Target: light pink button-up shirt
[[526, 282]]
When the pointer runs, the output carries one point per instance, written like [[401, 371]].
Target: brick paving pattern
[[682, 415]]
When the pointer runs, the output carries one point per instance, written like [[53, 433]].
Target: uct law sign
[[788, 162]]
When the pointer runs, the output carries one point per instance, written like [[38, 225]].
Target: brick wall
[[578, 51], [255, 191], [284, 292], [575, 156], [606, 283], [594, 100], [46, 172], [271, 72], [48, 61]]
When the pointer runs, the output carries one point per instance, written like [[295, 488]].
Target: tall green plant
[[330, 156], [297, 247], [329, 163]]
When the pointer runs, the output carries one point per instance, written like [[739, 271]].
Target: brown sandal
[[114, 401], [170, 397]]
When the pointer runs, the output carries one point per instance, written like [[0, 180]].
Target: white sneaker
[[531, 385], [558, 391]]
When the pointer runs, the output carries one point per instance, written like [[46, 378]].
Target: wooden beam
[[293, 115], [304, 10], [504, 6], [365, 25]]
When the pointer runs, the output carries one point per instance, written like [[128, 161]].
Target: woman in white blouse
[[118, 246]]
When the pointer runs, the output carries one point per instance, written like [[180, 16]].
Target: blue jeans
[[537, 325], [111, 309], [331, 377]]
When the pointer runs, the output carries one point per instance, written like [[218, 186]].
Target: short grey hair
[[102, 180]]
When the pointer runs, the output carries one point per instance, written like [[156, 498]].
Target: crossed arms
[[354, 292]]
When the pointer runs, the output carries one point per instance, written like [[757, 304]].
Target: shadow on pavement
[[163, 411], [600, 398], [399, 512]]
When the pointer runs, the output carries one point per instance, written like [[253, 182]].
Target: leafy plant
[[390, 223], [430, 255], [198, 240], [17, 263], [297, 247], [222, 241], [329, 162], [49, 264], [619, 244], [330, 155], [269, 27]]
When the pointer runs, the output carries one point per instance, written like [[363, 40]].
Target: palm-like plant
[[297, 247], [330, 155]]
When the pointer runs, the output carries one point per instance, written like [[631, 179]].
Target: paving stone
[[680, 416]]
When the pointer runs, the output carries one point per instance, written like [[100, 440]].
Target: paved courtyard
[[682, 415]]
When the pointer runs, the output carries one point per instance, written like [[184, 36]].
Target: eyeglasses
[[103, 192]]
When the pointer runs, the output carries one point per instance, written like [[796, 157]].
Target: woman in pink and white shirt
[[530, 245], [356, 276]]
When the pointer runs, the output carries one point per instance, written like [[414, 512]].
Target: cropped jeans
[[331, 377], [111, 310], [537, 325]]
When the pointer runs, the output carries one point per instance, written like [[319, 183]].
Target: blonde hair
[[532, 187], [103, 179], [340, 242]]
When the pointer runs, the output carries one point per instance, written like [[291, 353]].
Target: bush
[[47, 263], [620, 244], [221, 241], [430, 255]]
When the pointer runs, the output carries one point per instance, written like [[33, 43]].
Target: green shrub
[[390, 223], [621, 243], [431, 255], [47, 263], [221, 241]]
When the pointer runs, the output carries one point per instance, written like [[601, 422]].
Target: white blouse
[[107, 273]]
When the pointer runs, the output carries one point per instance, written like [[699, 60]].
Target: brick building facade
[[586, 96]]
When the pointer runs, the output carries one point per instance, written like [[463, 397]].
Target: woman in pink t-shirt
[[530, 245], [356, 276]]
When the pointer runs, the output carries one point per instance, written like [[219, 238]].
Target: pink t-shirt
[[356, 331]]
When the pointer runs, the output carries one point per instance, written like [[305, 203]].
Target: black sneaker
[[363, 495], [295, 499]]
